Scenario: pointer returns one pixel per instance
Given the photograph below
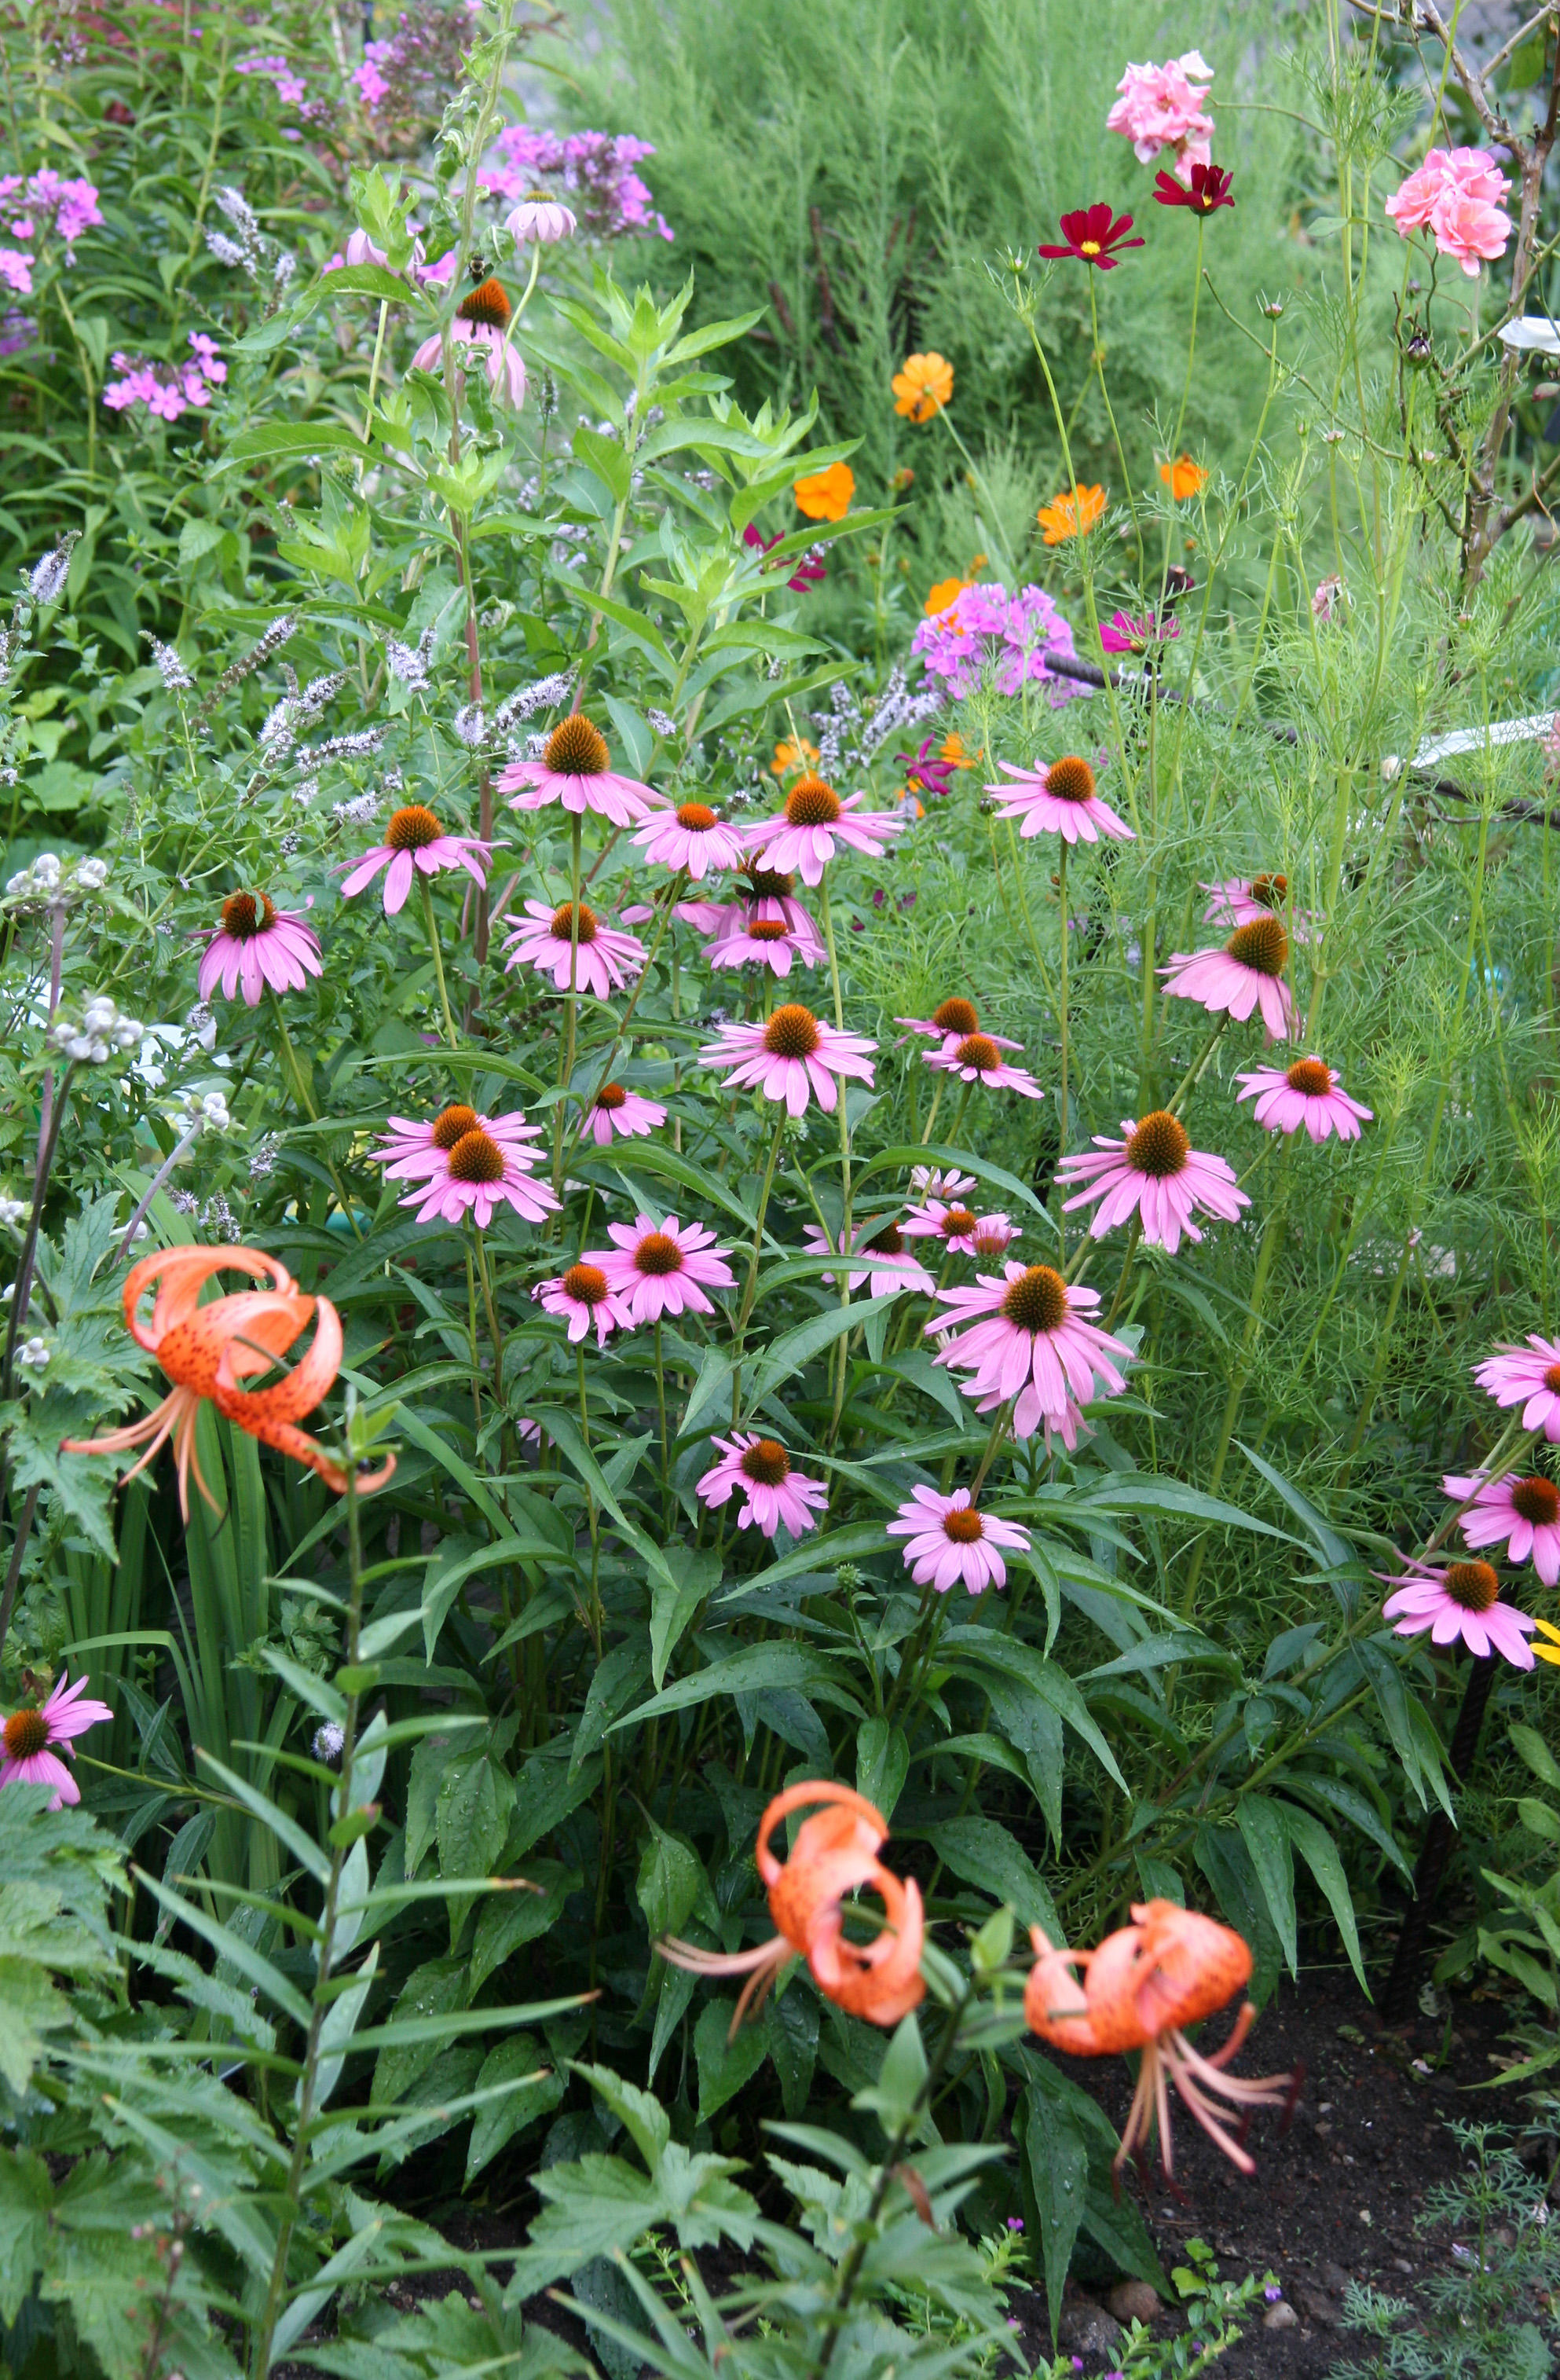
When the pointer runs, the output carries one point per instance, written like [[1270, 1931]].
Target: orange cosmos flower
[[825, 496], [1072, 514], [957, 753], [944, 595], [922, 385], [1183, 477], [211, 1351], [835, 1852], [1163, 1970], [794, 753]]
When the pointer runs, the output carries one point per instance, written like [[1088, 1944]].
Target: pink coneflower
[[705, 916], [481, 320], [600, 959], [416, 1147], [773, 1492], [814, 822], [887, 1263], [1069, 1427], [539, 220], [1153, 1168], [1058, 800], [957, 1226], [573, 769], [584, 1296], [655, 1269], [1245, 899], [1249, 971], [763, 941], [477, 1173], [929, 1182], [1307, 1093], [952, 1544], [953, 1020], [1532, 1372], [792, 1057], [693, 837], [1521, 1514], [257, 944], [620, 1114], [1462, 1598], [415, 843], [28, 1739], [978, 1059], [1030, 1340]]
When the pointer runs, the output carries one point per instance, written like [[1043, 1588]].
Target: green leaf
[[507, 1921], [785, 1355], [274, 441], [757, 1669], [725, 2062], [1268, 1839], [609, 458], [1057, 2158], [984, 1854], [1530, 1747], [441, 1987], [26, 2195], [534, 2090], [882, 1763], [672, 1883], [672, 1608], [29, 2006], [895, 2098], [476, 1798], [1316, 1846], [564, 1431]]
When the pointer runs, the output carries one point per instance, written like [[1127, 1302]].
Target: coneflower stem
[[487, 1300], [931, 1120], [998, 1431], [1198, 1068], [1133, 1236], [449, 1034], [752, 1284]]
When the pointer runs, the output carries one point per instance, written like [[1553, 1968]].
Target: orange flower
[[211, 1351], [957, 753], [922, 385], [794, 753], [835, 1852], [1072, 514], [1183, 477], [827, 495], [944, 595], [1165, 1969]]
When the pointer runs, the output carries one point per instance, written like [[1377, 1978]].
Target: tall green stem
[[450, 1036]]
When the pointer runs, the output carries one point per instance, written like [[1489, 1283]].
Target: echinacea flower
[[957, 1226], [1124, 634], [1091, 233], [1513, 1375], [791, 1057], [211, 1350], [826, 496], [256, 944], [29, 1737], [476, 1171], [578, 951], [615, 1113], [574, 770], [1459, 1599], [1155, 1169], [952, 1020], [1244, 900], [835, 1852], [1183, 477], [1072, 514], [481, 320], [1310, 1093], [1523, 1515], [415, 845], [416, 1147], [1209, 189], [691, 837], [929, 1181], [879, 1258], [539, 220], [1142, 1985], [952, 1544], [1058, 799], [774, 1494], [584, 1297], [813, 823], [654, 1269], [922, 385], [763, 941], [1028, 1337], [1247, 973], [977, 1058]]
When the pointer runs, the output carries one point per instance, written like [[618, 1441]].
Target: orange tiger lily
[[1167, 1969], [208, 1352], [835, 1852]]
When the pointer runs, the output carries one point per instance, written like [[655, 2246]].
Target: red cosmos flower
[[1210, 189], [1090, 234]]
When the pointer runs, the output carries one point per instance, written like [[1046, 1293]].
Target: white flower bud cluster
[[52, 880], [13, 1211], [34, 1353], [204, 1111], [104, 1029]]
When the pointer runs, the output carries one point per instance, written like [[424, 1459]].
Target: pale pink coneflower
[[1155, 1169], [1249, 971], [792, 1057], [584, 1297], [693, 837], [655, 1269], [814, 823], [878, 1247], [477, 1173], [763, 941], [574, 770], [952, 1544], [1521, 1514], [416, 1147], [256, 944], [1066, 1428], [1028, 1337], [1459, 1599], [1060, 799], [599, 959], [775, 1494], [929, 1181], [1308, 1093], [953, 1020], [1513, 1374], [29, 1737], [539, 220], [415, 845], [978, 1059], [615, 1113], [1244, 900], [481, 320], [705, 916], [959, 1229]]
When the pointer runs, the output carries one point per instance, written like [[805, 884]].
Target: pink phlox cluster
[[410, 73], [985, 628], [33, 205], [166, 390], [1456, 196], [595, 168], [1161, 107], [290, 85]]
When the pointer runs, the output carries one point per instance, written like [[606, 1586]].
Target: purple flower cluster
[[290, 84], [166, 390], [33, 207], [985, 628], [406, 80], [594, 168]]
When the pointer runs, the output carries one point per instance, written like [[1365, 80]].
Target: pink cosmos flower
[[691, 837], [583, 1296], [1058, 800], [950, 1543], [1513, 1374], [28, 1738], [257, 944], [1162, 107], [1455, 194], [957, 1226], [1308, 1093], [792, 1056], [978, 1059], [816, 821], [1460, 1598], [953, 1020], [481, 320], [460, 1166], [600, 959], [764, 941], [1028, 1337], [1124, 634], [655, 1269], [574, 771], [1521, 1514], [1246, 900], [773, 1492], [886, 1264], [415, 1147], [1155, 1169], [415, 843], [1249, 971], [540, 221], [615, 1112]]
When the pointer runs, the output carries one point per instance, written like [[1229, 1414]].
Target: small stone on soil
[[1087, 2330], [1280, 2317], [1134, 2301]]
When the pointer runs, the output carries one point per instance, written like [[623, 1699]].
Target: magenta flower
[[1124, 634], [1060, 799], [481, 320], [953, 1020], [1028, 1337], [1091, 234], [655, 1269], [952, 1544], [763, 941], [886, 1264], [978, 1059], [1207, 190], [28, 1738], [813, 822], [599, 959], [1456, 196], [1308, 1093], [810, 571], [257, 944], [462, 1166], [691, 837], [955, 1226], [1532, 1372], [934, 776], [1523, 1515], [1161, 107], [415, 843], [773, 1493], [1155, 1169], [417, 1148], [792, 1056], [1461, 1599], [992, 1237], [620, 1114], [574, 771], [1246, 900], [584, 1297], [1249, 971]]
